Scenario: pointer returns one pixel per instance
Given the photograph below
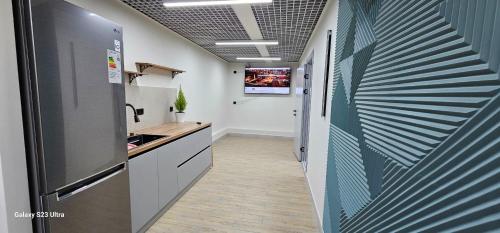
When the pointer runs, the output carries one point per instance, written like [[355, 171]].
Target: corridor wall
[[414, 128]]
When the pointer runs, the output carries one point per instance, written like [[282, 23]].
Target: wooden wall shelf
[[132, 75], [142, 66]]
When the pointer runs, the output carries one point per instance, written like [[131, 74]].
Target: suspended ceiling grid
[[290, 22]]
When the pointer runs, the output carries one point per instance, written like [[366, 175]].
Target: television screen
[[267, 80]]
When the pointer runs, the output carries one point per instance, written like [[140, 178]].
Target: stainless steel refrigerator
[[71, 71]]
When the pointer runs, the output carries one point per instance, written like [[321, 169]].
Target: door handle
[[79, 187]]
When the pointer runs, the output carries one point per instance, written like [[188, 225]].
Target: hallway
[[256, 185]]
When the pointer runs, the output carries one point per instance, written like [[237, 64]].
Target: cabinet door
[[193, 168], [167, 174], [143, 188]]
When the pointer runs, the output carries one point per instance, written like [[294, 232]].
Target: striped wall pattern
[[346, 71], [353, 185], [414, 93], [365, 35], [416, 97], [343, 36], [392, 171]]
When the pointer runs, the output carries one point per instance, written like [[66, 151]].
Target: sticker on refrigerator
[[118, 46], [114, 67]]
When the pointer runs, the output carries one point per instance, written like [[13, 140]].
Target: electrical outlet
[[140, 111], [171, 109]]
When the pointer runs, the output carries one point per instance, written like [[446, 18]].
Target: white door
[[306, 108], [297, 112], [302, 111]]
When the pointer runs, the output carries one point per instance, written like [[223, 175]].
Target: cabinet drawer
[[193, 168], [190, 145]]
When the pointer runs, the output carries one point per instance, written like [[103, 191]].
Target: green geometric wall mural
[[353, 184], [414, 136]]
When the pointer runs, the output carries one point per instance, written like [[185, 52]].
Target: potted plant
[[180, 105]]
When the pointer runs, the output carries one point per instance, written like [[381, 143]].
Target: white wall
[[259, 114], [319, 126], [145, 40], [154, 100], [14, 196], [209, 84]]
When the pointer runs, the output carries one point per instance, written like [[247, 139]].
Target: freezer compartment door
[[100, 205], [80, 90]]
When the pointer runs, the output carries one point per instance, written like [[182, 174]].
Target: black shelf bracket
[[174, 73], [132, 77], [143, 67]]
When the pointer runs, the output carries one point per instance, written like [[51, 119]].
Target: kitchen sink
[[141, 139]]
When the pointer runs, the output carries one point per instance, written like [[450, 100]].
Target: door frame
[[31, 118]]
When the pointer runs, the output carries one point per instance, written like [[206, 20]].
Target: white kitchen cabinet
[[143, 173], [157, 177], [167, 174]]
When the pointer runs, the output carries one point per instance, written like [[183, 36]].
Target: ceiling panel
[[289, 21]]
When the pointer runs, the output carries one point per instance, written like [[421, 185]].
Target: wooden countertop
[[173, 131]]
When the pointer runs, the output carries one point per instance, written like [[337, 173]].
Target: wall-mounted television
[[268, 80]]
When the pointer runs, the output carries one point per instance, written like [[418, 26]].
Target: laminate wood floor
[[256, 185]]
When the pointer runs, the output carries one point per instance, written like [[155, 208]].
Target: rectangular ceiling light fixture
[[176, 3], [259, 58], [246, 42]]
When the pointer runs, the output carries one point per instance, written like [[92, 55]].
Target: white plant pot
[[179, 116]]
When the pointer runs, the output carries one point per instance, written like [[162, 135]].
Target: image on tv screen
[[267, 80]]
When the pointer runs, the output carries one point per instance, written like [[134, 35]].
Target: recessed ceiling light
[[259, 58], [212, 3], [246, 42]]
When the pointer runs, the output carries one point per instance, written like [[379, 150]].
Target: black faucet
[[136, 117]]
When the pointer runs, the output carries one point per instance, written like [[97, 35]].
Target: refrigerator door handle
[[79, 187]]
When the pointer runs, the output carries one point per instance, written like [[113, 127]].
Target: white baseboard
[[319, 222], [256, 132], [219, 134], [251, 132]]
